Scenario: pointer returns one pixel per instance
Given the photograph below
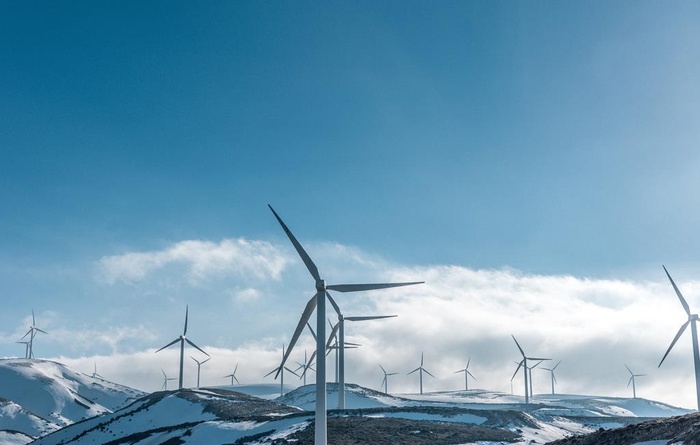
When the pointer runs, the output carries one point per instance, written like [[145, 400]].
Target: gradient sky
[[542, 142]]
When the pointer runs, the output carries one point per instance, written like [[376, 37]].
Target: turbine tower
[[319, 299], [466, 374], [182, 339], [165, 380], [199, 365], [385, 381], [692, 320], [233, 375], [632, 377], [421, 370], [26, 347], [32, 333], [523, 364], [551, 371], [341, 347]]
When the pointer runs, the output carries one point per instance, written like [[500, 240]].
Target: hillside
[[41, 396]]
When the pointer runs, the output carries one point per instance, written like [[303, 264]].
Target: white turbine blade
[[333, 303], [312, 330], [169, 344], [300, 250], [291, 371], [277, 370], [207, 361], [187, 310], [555, 366], [234, 369], [678, 292], [393, 373], [413, 371], [628, 368], [427, 372], [517, 369], [195, 346], [461, 370], [28, 332], [364, 287], [628, 383], [164, 375], [236, 379], [369, 317], [471, 375], [195, 359], [538, 358], [675, 339], [554, 378], [469, 360], [383, 370], [518, 345], [421, 359], [332, 335], [41, 330], [305, 316]]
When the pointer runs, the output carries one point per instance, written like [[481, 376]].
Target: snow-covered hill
[[41, 396]]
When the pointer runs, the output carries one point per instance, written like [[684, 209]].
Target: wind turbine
[[182, 339], [551, 371], [305, 366], [692, 320], [199, 365], [319, 299], [31, 333], [421, 370], [339, 358], [523, 364], [466, 374], [632, 377], [165, 380], [233, 375], [280, 371], [95, 374], [385, 381], [341, 348]]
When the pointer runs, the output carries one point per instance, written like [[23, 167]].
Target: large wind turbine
[[31, 333], [308, 364], [199, 365], [551, 371], [692, 320], [466, 374], [421, 370], [523, 364], [182, 339], [96, 374], [632, 377], [341, 348], [319, 299], [385, 381]]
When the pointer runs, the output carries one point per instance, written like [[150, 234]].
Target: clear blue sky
[[551, 137]]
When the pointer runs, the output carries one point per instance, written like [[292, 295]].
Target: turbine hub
[[321, 285], [693, 317]]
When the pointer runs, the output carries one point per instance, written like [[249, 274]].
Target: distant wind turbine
[[199, 365], [308, 364], [526, 369], [233, 375], [385, 380], [341, 348], [319, 299], [165, 380], [632, 378], [692, 320], [182, 339], [466, 374], [32, 333], [551, 371], [95, 374], [421, 370], [280, 371]]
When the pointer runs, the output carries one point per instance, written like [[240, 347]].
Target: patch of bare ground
[[396, 431], [675, 430]]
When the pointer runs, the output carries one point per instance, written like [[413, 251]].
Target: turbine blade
[[187, 310], [628, 383], [333, 303], [305, 316], [675, 339], [311, 329], [370, 317], [393, 373], [461, 370], [193, 345], [33, 320], [516, 371], [678, 292], [413, 371], [628, 368], [471, 375], [469, 360], [554, 378], [236, 379], [383, 370], [332, 336], [313, 270], [291, 371], [161, 370], [169, 344], [363, 287], [41, 330], [427, 372], [207, 360], [555, 366], [234, 369], [538, 358], [277, 370], [518, 345]]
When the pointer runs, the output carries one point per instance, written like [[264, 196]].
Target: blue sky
[[552, 139]]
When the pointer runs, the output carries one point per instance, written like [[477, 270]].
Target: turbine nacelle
[[693, 317], [321, 285]]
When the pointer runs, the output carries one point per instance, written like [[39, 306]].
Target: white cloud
[[201, 259]]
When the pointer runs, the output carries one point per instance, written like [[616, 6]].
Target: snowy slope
[[40, 396]]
